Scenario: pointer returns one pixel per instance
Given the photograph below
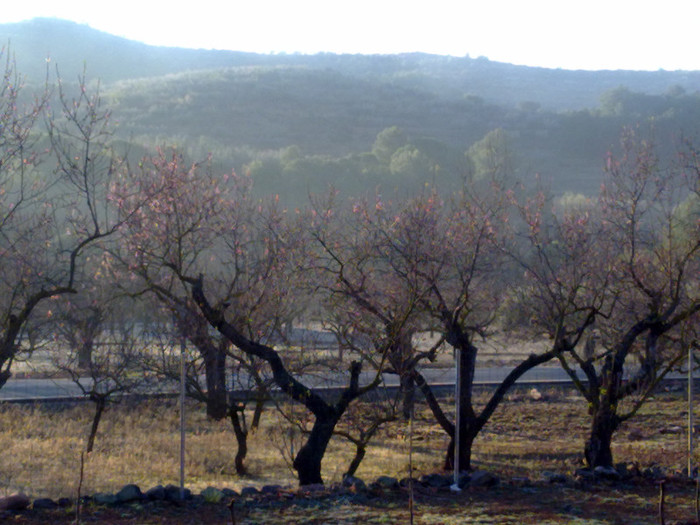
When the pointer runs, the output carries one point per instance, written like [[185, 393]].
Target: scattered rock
[[212, 495], [482, 478], [249, 491], [172, 493], [229, 493], [156, 493], [625, 470], [44, 503], [606, 472], [671, 430], [271, 489], [65, 502], [584, 474], [104, 498], [523, 481], [386, 482], [654, 472], [435, 480], [15, 502], [354, 484], [554, 477], [463, 479], [535, 395], [311, 488], [129, 493]]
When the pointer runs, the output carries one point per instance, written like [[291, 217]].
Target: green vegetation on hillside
[[300, 123]]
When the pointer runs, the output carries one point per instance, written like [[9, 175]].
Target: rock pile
[[352, 488]]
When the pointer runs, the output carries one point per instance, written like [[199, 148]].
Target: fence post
[[182, 417], [691, 422]]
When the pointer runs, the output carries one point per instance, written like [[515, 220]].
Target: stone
[[312, 487], [482, 478], [212, 495], [405, 482], [172, 493], [229, 493], [15, 502], [605, 472], [65, 502], [654, 472], [463, 479], [104, 498], [44, 504], [249, 491], [522, 481], [554, 477], [129, 493], [625, 470], [156, 493], [387, 482], [271, 489], [535, 395], [584, 474], [354, 484], [436, 480]]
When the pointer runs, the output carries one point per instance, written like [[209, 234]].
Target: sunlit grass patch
[[139, 443]]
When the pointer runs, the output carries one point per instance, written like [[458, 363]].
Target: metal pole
[[182, 417], [458, 376], [691, 423]]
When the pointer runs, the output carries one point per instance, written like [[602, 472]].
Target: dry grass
[[41, 446]]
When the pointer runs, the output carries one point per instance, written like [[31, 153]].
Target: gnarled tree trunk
[[307, 462], [598, 449], [241, 433]]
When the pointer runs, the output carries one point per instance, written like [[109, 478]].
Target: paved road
[[36, 389]]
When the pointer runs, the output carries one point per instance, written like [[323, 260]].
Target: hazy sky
[[592, 34]]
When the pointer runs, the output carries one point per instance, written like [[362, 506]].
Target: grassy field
[[138, 443]]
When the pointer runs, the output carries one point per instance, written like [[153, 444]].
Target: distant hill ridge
[[297, 122], [111, 58]]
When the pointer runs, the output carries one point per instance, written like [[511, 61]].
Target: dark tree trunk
[[466, 442], [308, 460], [85, 356], [4, 376], [471, 423], [598, 449], [360, 451], [241, 434], [408, 395], [215, 373], [100, 404], [257, 412], [468, 421]]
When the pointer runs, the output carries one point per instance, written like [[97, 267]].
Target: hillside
[[299, 122], [72, 46]]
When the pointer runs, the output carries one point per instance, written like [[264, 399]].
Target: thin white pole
[[182, 418], [458, 376], [691, 423]]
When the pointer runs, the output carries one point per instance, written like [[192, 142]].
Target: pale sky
[[591, 34]]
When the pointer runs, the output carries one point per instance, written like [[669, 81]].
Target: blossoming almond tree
[[453, 255], [654, 258], [54, 199], [204, 229], [624, 269]]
